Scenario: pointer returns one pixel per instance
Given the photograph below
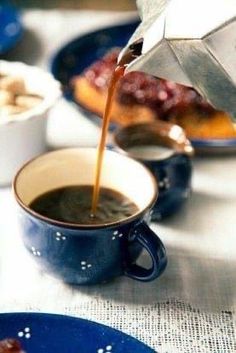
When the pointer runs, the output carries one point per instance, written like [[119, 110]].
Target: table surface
[[191, 308]]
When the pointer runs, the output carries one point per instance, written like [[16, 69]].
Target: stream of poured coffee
[[117, 74]]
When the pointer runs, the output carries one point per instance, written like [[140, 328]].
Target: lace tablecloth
[[191, 308]]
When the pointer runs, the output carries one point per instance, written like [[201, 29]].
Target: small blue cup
[[89, 254], [165, 150]]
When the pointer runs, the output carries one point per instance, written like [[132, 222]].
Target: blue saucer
[[10, 28], [47, 333]]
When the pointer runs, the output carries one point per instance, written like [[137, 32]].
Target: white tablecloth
[[191, 308]]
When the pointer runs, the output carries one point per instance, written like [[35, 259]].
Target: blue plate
[[214, 146], [10, 28], [47, 333], [78, 54]]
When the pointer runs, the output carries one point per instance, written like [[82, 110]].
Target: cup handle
[[154, 246]]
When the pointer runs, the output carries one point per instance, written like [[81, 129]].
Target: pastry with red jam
[[143, 98], [90, 90]]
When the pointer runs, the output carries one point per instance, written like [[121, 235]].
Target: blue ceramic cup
[[165, 150], [89, 254]]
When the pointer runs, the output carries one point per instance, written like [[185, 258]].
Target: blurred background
[[121, 5]]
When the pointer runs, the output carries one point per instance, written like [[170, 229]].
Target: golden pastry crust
[[95, 100], [216, 125]]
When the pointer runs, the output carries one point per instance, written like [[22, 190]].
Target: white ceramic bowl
[[24, 137]]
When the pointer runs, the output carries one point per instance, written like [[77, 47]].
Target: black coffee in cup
[[72, 204]]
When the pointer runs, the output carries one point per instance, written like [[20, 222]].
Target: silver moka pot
[[192, 42]]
